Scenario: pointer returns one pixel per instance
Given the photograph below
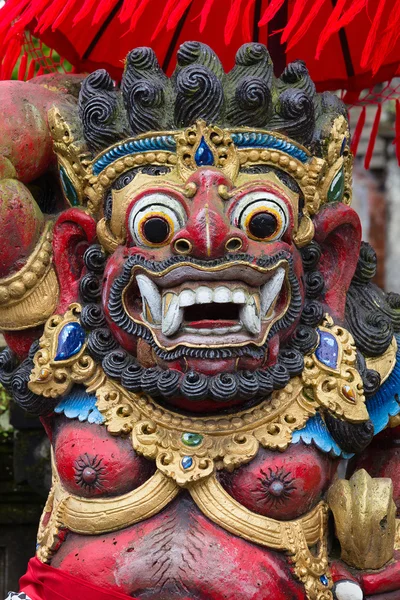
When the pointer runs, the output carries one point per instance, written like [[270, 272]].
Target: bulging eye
[[262, 215], [155, 218]]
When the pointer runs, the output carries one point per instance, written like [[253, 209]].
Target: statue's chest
[[281, 485], [92, 463]]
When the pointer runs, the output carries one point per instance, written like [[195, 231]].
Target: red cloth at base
[[42, 582]]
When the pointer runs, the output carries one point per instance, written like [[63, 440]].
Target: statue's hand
[[365, 519]]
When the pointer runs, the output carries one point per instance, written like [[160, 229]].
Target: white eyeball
[[155, 218], [262, 215]]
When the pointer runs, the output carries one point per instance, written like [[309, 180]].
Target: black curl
[[248, 385], [280, 376], [92, 316], [98, 107], [223, 387], [95, 258], [304, 339], [251, 103], [8, 364], [194, 386], [100, 342], [27, 400], [168, 383], [351, 437], [265, 382], [366, 265], [199, 96], [314, 284], [295, 115], [115, 362], [313, 313], [145, 101], [131, 377], [150, 379], [310, 255], [293, 360], [90, 288]]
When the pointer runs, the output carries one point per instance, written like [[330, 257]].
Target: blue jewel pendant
[[203, 156], [187, 462], [324, 580], [70, 340], [327, 351]]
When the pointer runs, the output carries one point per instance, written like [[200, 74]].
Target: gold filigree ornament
[[29, 296], [53, 374], [188, 449], [330, 375]]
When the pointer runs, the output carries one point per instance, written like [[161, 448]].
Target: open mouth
[[229, 305]]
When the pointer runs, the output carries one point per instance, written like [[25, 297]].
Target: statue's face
[[203, 264]]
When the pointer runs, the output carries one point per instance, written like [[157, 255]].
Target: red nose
[[208, 233]]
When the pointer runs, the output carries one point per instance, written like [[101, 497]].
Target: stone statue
[[188, 307]]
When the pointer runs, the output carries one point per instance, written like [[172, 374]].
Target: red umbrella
[[347, 44]]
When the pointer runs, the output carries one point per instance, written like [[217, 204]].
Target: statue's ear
[[74, 231], [338, 232]]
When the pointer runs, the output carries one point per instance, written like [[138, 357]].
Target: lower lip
[[208, 324]]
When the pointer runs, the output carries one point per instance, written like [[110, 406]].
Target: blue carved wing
[[78, 404], [383, 405]]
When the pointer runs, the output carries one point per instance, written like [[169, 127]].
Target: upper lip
[[251, 288]]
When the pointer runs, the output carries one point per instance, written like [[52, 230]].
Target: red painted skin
[[179, 553]]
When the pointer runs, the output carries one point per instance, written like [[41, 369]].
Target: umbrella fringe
[[22, 67], [10, 59], [338, 21], [358, 131], [388, 40], [247, 22], [232, 20], [204, 14], [372, 138], [270, 12], [177, 14]]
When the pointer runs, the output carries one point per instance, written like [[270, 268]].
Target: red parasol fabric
[[347, 44]]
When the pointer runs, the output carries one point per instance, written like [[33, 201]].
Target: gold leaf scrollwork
[[338, 389], [52, 378]]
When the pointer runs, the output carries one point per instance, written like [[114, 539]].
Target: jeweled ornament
[[70, 341], [192, 439], [203, 155], [187, 462], [327, 350]]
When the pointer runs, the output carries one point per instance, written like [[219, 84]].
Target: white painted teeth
[[187, 298], [204, 295], [172, 314], [250, 315], [168, 311], [271, 289], [151, 299]]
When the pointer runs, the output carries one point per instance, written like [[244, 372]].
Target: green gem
[[69, 190], [336, 189], [192, 439]]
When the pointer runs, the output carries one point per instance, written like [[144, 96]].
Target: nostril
[[183, 246], [233, 244]]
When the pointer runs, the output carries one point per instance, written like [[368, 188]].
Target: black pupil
[[156, 230], [263, 225]]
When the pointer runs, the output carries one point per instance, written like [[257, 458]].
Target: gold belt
[[94, 516]]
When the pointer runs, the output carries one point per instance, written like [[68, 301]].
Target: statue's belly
[[179, 554]]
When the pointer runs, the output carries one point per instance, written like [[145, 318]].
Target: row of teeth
[[168, 310]]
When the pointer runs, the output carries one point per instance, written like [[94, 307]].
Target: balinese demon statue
[[188, 307]]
